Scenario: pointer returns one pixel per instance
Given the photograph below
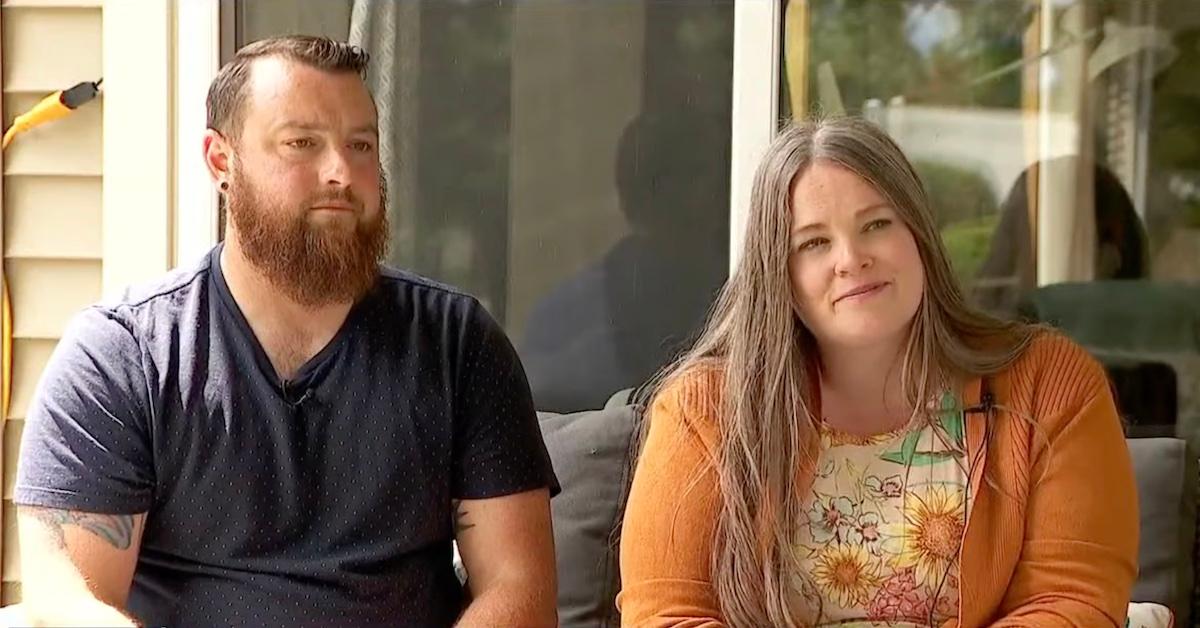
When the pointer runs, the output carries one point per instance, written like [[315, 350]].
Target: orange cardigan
[[1051, 536]]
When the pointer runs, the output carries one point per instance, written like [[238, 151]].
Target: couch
[[590, 451]]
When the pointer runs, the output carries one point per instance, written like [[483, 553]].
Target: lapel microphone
[[295, 405], [308, 393], [987, 401]]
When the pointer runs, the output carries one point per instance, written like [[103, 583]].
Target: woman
[[850, 444]]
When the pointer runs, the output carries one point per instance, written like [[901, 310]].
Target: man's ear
[[218, 156]]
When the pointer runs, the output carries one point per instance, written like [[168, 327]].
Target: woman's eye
[[877, 224], [809, 245]]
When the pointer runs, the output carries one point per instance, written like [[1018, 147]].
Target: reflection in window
[[1059, 143], [567, 163]]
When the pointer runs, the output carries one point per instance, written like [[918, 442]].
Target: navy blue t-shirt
[[324, 500]]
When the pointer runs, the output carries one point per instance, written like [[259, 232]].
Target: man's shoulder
[[404, 279], [410, 289], [109, 342], [143, 306], [163, 289]]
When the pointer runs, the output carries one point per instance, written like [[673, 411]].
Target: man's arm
[[77, 567], [507, 548]]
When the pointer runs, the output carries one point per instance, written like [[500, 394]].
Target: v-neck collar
[[308, 374]]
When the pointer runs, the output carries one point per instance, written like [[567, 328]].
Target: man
[[287, 434]]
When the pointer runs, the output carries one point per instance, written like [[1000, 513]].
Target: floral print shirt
[[884, 524]]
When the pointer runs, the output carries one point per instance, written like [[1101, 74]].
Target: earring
[[224, 186]]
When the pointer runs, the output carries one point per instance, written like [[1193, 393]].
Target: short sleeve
[[498, 446], [86, 443]]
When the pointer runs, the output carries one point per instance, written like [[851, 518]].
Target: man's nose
[[336, 168]]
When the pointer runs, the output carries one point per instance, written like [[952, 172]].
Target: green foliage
[[967, 244], [870, 46], [956, 193]]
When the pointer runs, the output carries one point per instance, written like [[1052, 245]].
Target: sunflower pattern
[[883, 525]]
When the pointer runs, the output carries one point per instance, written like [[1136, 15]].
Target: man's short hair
[[227, 93]]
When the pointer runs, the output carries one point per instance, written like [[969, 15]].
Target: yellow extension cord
[[6, 360], [52, 107]]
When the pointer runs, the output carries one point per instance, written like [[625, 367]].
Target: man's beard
[[312, 264]]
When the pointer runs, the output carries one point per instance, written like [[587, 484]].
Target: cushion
[[590, 451], [1166, 481], [1149, 615], [1137, 315], [14, 615]]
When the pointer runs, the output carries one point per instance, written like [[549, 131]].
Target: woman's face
[[856, 274]]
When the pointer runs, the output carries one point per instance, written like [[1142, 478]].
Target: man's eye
[[302, 142], [362, 147]]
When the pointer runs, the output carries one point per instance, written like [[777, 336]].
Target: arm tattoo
[[117, 530], [460, 518]]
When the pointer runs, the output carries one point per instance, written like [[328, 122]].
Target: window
[[568, 163], [1059, 142]]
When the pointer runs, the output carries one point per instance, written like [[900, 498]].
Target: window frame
[[756, 48], [139, 176], [199, 47], [209, 38]]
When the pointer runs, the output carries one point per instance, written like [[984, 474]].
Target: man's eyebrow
[[298, 125]]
